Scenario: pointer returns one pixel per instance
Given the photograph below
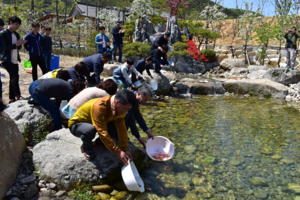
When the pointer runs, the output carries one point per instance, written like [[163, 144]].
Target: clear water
[[226, 148]]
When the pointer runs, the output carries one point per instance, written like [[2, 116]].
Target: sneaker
[[21, 98], [89, 155], [292, 67], [98, 144]]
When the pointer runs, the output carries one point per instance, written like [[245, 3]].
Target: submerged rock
[[61, 151], [102, 188], [258, 181]]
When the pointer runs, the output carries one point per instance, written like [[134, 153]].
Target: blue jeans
[[45, 103], [122, 80], [48, 58], [157, 66], [120, 46]]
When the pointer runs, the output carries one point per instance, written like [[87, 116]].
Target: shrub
[[178, 53], [180, 46], [137, 49], [205, 55], [208, 53]]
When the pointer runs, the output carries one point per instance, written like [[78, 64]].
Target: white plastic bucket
[[132, 179], [62, 105], [153, 84], [160, 145]]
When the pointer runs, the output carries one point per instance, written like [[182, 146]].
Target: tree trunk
[[66, 2], [279, 58], [79, 41], [56, 9]]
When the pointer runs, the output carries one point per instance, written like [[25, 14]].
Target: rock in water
[[280, 75], [258, 181], [61, 151], [102, 188], [12, 145], [258, 86], [162, 82]]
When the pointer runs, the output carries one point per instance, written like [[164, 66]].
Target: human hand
[[123, 157], [162, 66], [100, 42], [132, 86], [107, 43], [150, 134], [144, 78], [137, 77], [143, 142], [20, 42]]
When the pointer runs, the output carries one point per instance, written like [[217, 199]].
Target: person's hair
[[126, 96], [106, 55], [35, 24], [129, 61], [47, 28], [294, 28], [63, 74], [109, 86], [146, 90], [2, 106], [101, 28], [78, 85], [148, 58], [81, 68], [165, 47], [14, 19], [43, 27], [2, 22]]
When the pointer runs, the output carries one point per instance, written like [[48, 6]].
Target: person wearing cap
[[118, 34], [160, 41], [160, 58]]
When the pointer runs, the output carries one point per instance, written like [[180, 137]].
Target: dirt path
[[26, 79]]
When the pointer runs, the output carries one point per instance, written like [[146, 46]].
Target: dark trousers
[[157, 66], [37, 60], [120, 47], [13, 71], [87, 132], [133, 78], [45, 103], [47, 58], [0, 88]]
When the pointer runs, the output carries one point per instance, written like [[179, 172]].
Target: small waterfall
[[214, 90], [188, 90]]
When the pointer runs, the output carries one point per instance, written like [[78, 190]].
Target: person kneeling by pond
[[121, 74], [141, 66], [93, 116], [157, 54], [108, 87], [43, 89]]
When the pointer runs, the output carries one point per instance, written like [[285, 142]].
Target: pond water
[[225, 148]]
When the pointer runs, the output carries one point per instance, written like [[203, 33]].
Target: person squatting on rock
[[43, 89], [143, 95], [11, 57], [291, 45], [47, 47], [141, 66], [78, 71], [121, 74], [95, 64], [108, 87], [34, 47], [93, 116], [118, 34], [102, 41], [157, 54], [160, 41]]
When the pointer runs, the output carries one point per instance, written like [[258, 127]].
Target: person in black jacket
[[34, 47], [160, 41], [78, 71], [141, 66], [157, 54], [11, 57]]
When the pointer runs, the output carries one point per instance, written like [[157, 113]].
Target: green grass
[[82, 194]]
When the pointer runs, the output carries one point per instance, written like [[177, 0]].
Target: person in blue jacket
[[102, 41], [78, 71], [141, 66], [95, 64], [34, 47], [118, 34]]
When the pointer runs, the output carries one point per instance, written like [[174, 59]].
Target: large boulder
[[12, 145], [252, 68], [200, 88], [228, 64], [238, 71], [260, 87], [170, 75], [109, 68], [162, 81], [259, 74], [280, 75], [27, 116], [59, 158]]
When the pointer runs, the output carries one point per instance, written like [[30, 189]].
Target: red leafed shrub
[[196, 54]]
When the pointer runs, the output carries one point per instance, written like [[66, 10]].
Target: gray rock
[[28, 179], [12, 146], [163, 83], [228, 64], [187, 80], [281, 76], [258, 86], [108, 69], [51, 185], [60, 193], [47, 192], [61, 151], [261, 194], [252, 68], [31, 190], [200, 88], [257, 74], [238, 71]]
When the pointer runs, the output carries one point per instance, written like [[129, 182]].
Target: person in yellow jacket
[[93, 116]]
